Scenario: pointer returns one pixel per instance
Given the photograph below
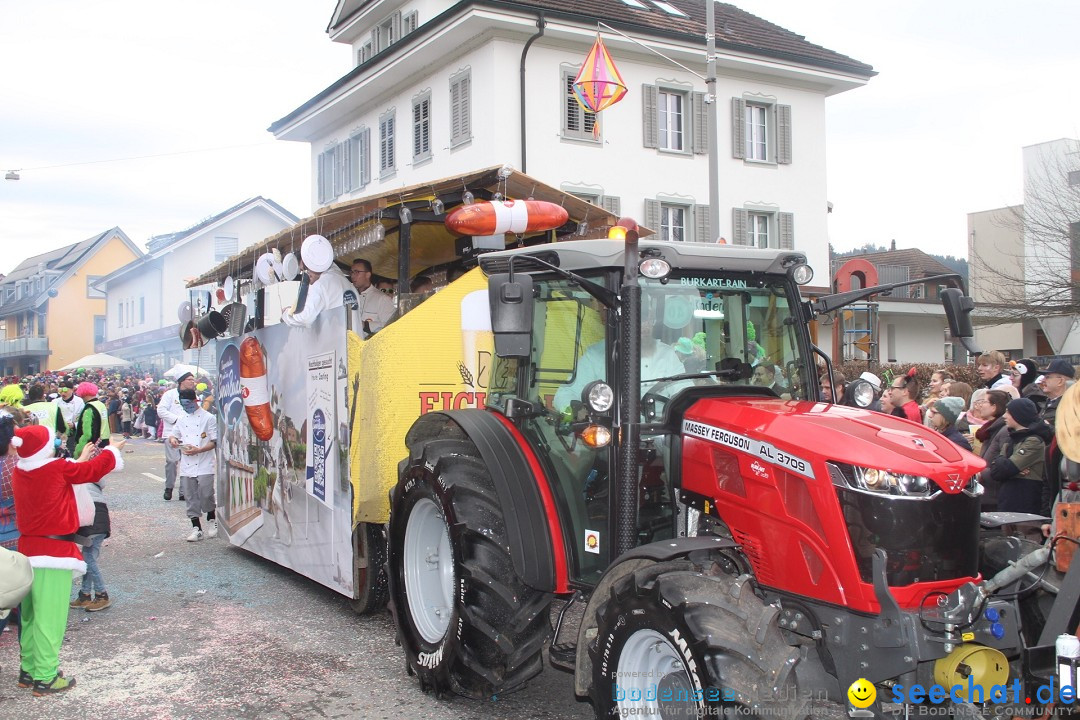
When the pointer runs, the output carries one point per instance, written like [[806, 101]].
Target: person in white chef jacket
[[327, 284], [195, 435]]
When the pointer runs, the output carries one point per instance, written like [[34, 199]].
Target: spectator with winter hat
[[48, 518], [1020, 467], [942, 416]]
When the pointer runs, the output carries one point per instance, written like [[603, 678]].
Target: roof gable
[[919, 263]]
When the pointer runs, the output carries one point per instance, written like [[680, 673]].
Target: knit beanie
[[950, 408], [1023, 411]]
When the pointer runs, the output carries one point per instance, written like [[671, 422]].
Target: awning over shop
[[351, 226]]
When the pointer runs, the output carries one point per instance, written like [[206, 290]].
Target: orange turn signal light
[[596, 436]]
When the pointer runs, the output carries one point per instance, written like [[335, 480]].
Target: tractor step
[[563, 656]]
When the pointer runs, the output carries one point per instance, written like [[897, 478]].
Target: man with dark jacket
[[1020, 468]]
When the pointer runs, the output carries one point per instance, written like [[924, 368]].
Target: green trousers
[[44, 620]]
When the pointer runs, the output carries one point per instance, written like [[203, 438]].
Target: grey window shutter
[[375, 46], [701, 123], [701, 224], [465, 107], [345, 150], [321, 182], [395, 28], [786, 221], [783, 134], [740, 220], [652, 215], [738, 133], [649, 119], [365, 156], [611, 203]]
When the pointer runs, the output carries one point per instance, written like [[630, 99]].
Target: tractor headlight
[[654, 267], [598, 396], [883, 482], [802, 274], [862, 393]]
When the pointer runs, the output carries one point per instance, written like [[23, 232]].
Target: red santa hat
[[34, 443]]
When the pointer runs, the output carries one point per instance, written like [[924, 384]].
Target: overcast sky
[[963, 85]]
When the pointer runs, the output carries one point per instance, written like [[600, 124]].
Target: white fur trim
[[119, 458], [33, 463], [16, 441], [58, 563]]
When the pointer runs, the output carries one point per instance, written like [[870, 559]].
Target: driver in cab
[[657, 360]]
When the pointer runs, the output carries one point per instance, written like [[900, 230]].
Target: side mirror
[[511, 314], [958, 307]]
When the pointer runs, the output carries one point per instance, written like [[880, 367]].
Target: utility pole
[[710, 101]]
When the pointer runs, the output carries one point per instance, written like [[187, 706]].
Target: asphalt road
[[205, 630]]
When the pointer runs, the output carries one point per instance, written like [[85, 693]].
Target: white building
[[143, 297], [440, 89], [1027, 255]]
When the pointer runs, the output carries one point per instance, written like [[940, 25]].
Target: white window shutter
[[783, 134], [740, 221], [611, 203], [702, 233], [345, 151], [786, 221], [649, 118], [738, 133], [701, 111], [376, 46], [320, 179], [339, 173], [652, 215], [395, 28]]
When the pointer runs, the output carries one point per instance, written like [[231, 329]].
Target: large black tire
[[369, 568], [494, 634], [674, 641]]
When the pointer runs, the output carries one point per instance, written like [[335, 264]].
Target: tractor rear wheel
[[677, 640], [466, 621]]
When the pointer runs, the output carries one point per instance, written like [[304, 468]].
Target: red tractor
[[721, 542]]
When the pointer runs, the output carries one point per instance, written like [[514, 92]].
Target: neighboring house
[[907, 326], [435, 91], [1028, 256], [142, 324], [52, 313]]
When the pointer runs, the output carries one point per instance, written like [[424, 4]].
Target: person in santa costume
[[48, 517]]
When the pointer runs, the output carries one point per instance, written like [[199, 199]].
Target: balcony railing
[[14, 347]]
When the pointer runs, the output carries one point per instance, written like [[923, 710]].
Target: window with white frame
[[761, 130], [409, 22], [756, 121], [387, 161], [460, 108], [673, 222], [421, 127], [225, 247], [119, 314], [142, 310], [91, 291], [578, 123], [327, 165], [387, 32], [671, 124], [365, 53], [758, 230]]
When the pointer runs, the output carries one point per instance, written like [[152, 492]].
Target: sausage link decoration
[[255, 389]]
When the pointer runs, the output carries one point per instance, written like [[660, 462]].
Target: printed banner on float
[[321, 421]]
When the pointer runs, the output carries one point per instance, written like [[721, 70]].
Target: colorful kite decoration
[[598, 85]]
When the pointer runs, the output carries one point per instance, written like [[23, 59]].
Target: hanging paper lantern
[[598, 85]]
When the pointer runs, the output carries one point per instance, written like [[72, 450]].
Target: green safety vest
[[86, 423], [48, 414]]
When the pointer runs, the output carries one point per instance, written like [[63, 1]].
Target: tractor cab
[[705, 328]]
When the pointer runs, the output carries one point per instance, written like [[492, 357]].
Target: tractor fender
[[629, 562], [530, 535]]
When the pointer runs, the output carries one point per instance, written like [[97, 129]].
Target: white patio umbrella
[[180, 368], [97, 360]]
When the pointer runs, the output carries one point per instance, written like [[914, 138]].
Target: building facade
[[51, 311], [440, 89], [1025, 259], [143, 297]]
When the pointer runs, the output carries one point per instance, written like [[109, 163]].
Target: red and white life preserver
[[506, 216]]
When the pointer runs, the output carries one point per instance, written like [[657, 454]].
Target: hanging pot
[[212, 324], [190, 337]]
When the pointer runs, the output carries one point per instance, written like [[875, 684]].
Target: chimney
[[893, 244]]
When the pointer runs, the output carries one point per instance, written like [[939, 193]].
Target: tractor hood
[[814, 433]]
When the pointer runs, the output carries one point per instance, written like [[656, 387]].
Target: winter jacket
[[102, 525], [1020, 468], [953, 434]]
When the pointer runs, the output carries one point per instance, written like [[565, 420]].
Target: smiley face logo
[[862, 693]]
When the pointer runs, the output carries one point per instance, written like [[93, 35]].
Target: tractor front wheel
[[468, 624]]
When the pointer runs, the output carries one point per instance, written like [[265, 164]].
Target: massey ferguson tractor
[[686, 541]]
